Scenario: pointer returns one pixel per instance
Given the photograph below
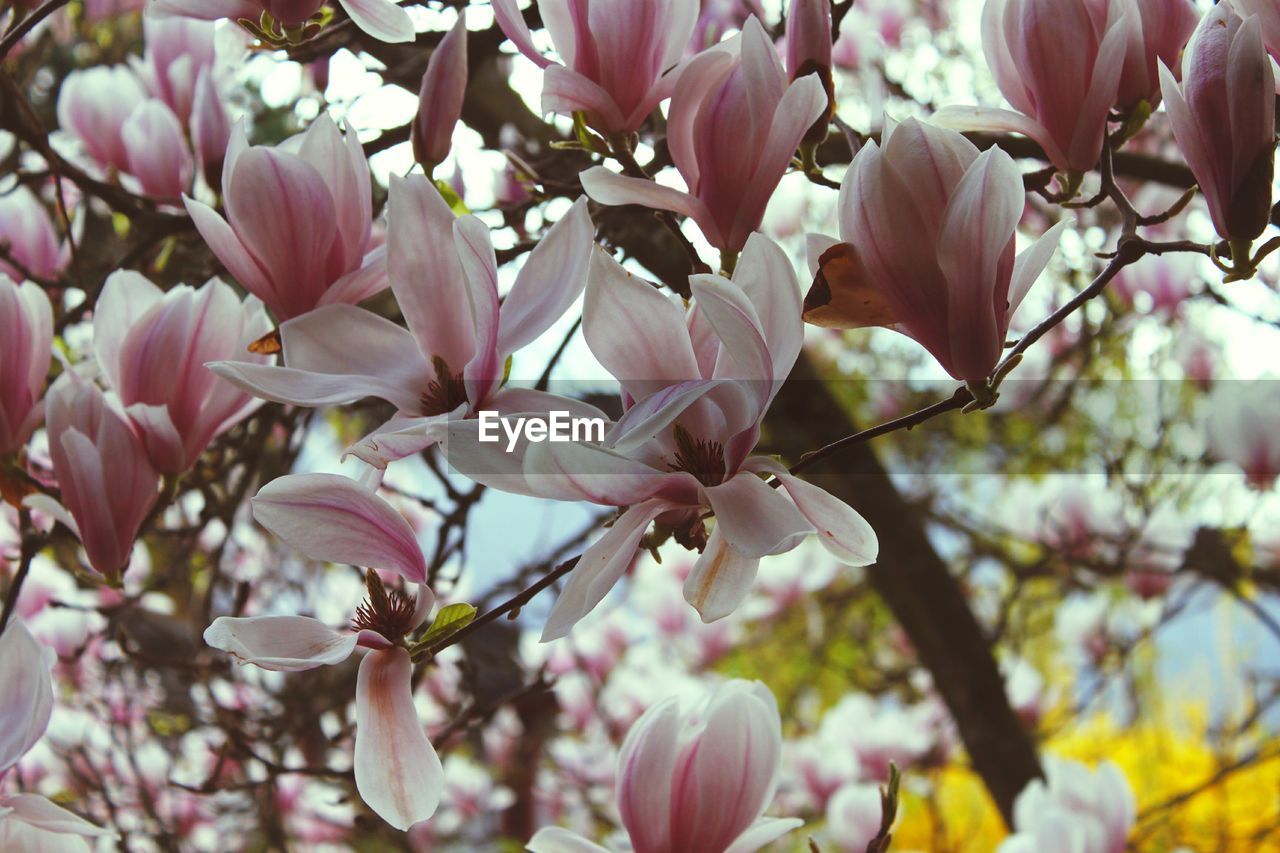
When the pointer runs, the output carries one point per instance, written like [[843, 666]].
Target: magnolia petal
[[566, 92], [381, 19], [125, 297], [978, 227], [1030, 263], [556, 839], [280, 643], [38, 812], [643, 421], [398, 773], [224, 243], [583, 472], [636, 332], [767, 278], [720, 580], [426, 275], [362, 282], [842, 531], [330, 517], [763, 832], [512, 23], [599, 568], [552, 278], [996, 120], [754, 518], [27, 699], [606, 187]]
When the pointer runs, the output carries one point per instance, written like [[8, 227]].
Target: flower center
[[703, 459], [445, 393], [389, 612]]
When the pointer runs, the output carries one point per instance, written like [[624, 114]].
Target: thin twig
[[27, 24]]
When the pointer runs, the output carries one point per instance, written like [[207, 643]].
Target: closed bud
[[1223, 117], [809, 44], [440, 100]]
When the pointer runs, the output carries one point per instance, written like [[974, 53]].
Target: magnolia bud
[[440, 99]]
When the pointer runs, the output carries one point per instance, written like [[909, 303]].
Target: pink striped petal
[[398, 773], [333, 518], [599, 568]]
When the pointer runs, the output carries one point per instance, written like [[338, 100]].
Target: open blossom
[[696, 778], [28, 236], [733, 128], [93, 106], [299, 220], [618, 55], [178, 52], [440, 99], [332, 518], [696, 385], [1059, 63], [107, 483], [1223, 118], [451, 360], [29, 821], [26, 340], [1076, 810], [1158, 30], [153, 346], [929, 225], [382, 19]]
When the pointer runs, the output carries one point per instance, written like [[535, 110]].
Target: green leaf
[[449, 621], [455, 202]]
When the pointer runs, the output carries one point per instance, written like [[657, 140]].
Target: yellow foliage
[[1189, 797]]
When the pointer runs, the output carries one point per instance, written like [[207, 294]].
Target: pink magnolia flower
[[1223, 117], [696, 386], [1158, 30], [29, 821], [107, 484], [696, 778], [26, 349], [28, 236], [1242, 419], [93, 106], [440, 99], [210, 129], [930, 230], [332, 518], [451, 360], [618, 55], [153, 346], [382, 19], [178, 52], [1076, 810], [157, 152], [298, 231], [1059, 63], [733, 127]]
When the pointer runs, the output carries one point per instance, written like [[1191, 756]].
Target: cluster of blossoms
[[928, 245]]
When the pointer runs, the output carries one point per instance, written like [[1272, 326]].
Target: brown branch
[[27, 24]]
